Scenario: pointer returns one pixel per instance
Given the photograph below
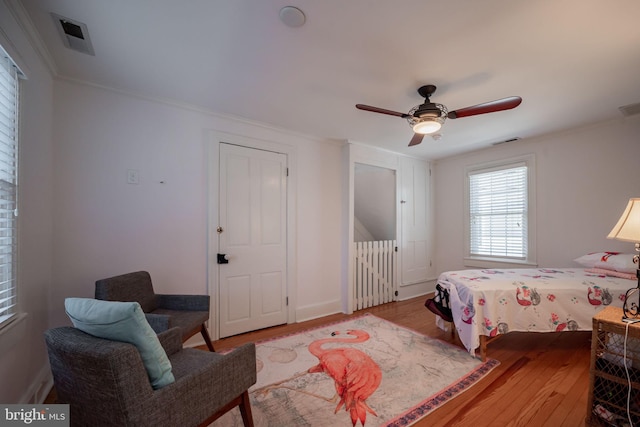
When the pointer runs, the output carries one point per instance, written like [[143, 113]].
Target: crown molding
[[28, 27]]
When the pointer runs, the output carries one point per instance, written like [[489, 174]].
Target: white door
[[415, 197], [253, 236]]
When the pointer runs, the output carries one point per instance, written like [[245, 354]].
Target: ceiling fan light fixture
[[428, 125], [428, 117]]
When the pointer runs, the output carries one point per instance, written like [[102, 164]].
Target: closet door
[[415, 198], [253, 235]]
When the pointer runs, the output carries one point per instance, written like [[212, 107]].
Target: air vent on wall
[[507, 140], [630, 110], [74, 34]]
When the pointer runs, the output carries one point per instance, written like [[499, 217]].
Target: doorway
[[374, 236]]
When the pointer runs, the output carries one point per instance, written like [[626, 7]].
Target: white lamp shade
[[628, 226], [427, 126]]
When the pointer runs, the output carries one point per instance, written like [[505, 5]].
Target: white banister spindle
[[374, 269]]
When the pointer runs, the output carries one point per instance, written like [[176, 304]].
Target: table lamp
[[628, 229]]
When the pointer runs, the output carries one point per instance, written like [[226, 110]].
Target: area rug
[[364, 371]]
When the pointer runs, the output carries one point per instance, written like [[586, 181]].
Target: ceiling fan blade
[[487, 107], [381, 110], [417, 139]]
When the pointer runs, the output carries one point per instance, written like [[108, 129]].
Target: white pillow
[[590, 260], [618, 262], [615, 261], [123, 321]]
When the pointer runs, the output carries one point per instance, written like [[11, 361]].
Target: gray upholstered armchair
[[106, 384], [188, 312]]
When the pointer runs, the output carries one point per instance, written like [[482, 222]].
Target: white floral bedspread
[[496, 301]]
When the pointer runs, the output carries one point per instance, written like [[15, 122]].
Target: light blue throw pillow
[[123, 321]]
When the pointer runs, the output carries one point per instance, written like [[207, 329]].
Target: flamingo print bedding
[[490, 302]]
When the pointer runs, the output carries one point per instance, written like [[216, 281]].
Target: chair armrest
[[171, 340], [227, 375], [203, 380], [159, 322], [239, 368], [183, 302]]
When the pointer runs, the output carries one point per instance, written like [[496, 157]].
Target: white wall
[[104, 226], [23, 360], [584, 180], [319, 230]]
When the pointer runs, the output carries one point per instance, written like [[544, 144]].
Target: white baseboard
[[416, 289], [39, 388]]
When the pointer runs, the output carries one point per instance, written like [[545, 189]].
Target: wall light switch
[[133, 176]]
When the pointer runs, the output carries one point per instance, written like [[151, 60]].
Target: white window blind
[[498, 223], [8, 186]]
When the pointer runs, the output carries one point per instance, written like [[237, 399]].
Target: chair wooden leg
[[207, 339], [245, 410], [239, 401]]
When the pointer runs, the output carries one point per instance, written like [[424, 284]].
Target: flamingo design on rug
[[355, 374]]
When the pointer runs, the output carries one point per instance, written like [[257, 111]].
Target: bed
[[490, 302]]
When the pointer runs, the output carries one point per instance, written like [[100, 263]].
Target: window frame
[[14, 313], [530, 258]]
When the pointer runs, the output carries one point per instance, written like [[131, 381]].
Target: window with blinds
[[498, 198], [8, 186]]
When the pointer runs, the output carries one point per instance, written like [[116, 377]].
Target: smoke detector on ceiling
[[292, 17], [75, 34]]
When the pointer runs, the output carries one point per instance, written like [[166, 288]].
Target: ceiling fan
[[428, 117]]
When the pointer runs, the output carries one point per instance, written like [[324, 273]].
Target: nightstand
[[610, 373]]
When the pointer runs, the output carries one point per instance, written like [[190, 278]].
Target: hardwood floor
[[542, 379]]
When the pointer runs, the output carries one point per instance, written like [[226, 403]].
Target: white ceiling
[[573, 62]]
